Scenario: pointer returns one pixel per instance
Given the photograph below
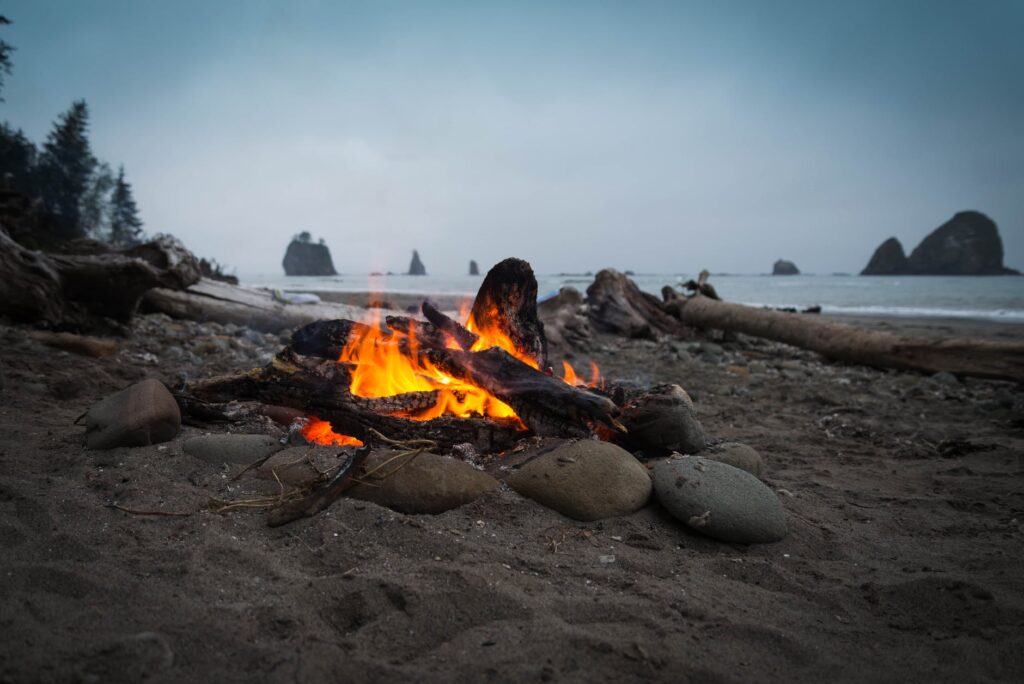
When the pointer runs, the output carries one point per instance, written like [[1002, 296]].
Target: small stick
[[319, 499], [135, 511]]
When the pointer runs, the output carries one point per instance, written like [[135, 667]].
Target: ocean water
[[999, 298]]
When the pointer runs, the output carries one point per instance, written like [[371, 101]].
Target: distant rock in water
[[888, 259], [783, 267], [967, 244], [473, 268], [416, 267], [307, 258]]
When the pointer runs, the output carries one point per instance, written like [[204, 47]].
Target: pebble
[[243, 449], [737, 455], [944, 378], [424, 484], [585, 480], [145, 413], [661, 421], [719, 500]]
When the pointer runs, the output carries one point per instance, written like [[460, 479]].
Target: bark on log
[[960, 356], [209, 300], [79, 291], [507, 300], [618, 306]]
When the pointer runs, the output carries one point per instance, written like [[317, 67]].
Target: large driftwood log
[[210, 300], [618, 306], [566, 324], [960, 356], [80, 291]]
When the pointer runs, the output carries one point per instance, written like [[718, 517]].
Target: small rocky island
[[416, 267], [783, 267], [967, 244], [474, 269], [307, 258]]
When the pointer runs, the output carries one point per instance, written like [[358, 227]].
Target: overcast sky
[[658, 137]]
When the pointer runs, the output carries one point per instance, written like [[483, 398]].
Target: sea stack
[[473, 268], [888, 259], [967, 244], [306, 258], [783, 267], [416, 267]]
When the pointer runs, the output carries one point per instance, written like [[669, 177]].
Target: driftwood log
[[210, 300], [507, 300], [618, 306], [88, 291], [960, 356]]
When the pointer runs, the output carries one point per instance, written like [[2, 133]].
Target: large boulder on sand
[[967, 244], [783, 267], [307, 258], [888, 259]]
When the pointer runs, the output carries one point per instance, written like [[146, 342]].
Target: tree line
[[72, 193]]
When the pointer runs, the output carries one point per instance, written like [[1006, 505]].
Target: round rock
[[662, 420], [243, 449], [737, 455], [719, 500], [585, 480], [425, 483], [145, 413]]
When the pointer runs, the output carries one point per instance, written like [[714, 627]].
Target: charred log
[[507, 301], [452, 329], [320, 387]]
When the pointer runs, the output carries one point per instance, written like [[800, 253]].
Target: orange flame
[[320, 432], [386, 363]]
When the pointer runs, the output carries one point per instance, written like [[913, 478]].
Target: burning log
[[507, 304], [960, 356], [320, 388]]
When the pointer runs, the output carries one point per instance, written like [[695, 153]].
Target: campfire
[[487, 382], [439, 384]]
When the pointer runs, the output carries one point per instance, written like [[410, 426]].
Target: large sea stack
[[416, 267], [307, 258], [783, 267], [888, 259], [967, 244], [473, 268]]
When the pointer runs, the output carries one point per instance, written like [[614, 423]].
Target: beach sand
[[903, 494]]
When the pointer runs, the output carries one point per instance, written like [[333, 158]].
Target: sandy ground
[[904, 497]]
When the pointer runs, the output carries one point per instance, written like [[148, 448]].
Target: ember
[[320, 432]]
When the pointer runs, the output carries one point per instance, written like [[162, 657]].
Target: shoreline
[[948, 326]]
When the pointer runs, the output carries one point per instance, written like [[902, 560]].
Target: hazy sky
[[641, 135]]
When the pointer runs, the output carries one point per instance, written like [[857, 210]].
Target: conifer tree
[[66, 167], [125, 224]]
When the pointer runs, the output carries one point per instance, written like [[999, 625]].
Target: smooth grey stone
[[242, 449], [661, 421], [738, 455], [145, 413], [719, 500], [585, 480]]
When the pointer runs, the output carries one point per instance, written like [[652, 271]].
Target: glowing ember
[[381, 369], [320, 432]]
